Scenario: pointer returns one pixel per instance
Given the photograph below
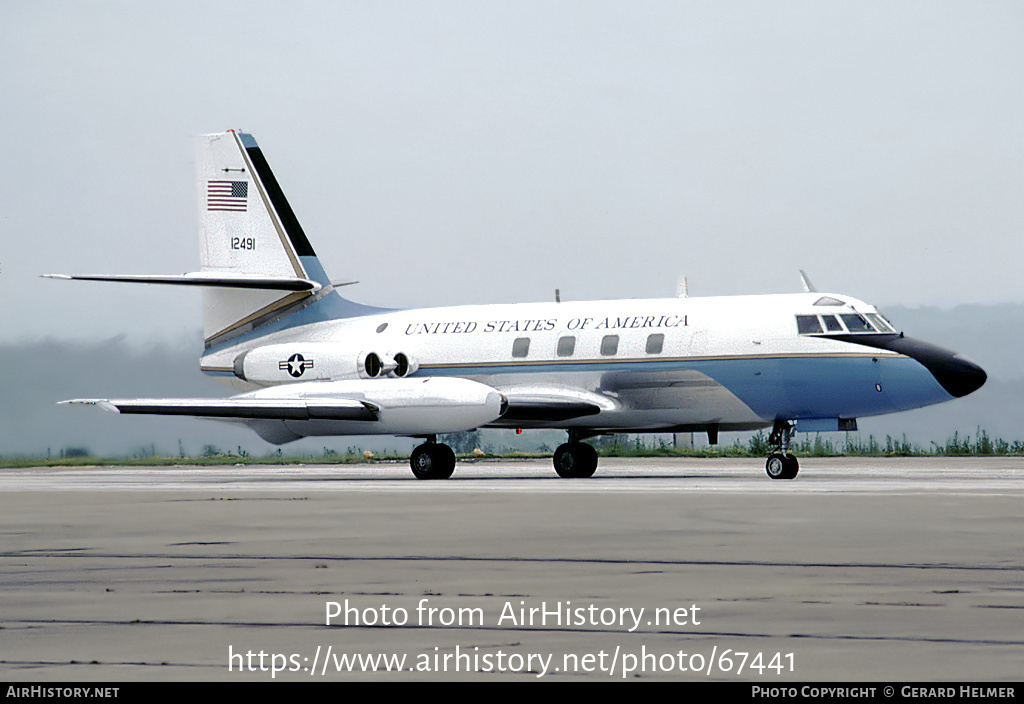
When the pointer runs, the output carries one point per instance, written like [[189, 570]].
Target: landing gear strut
[[432, 460], [575, 459], [781, 464]]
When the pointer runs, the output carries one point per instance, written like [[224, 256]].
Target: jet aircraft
[[310, 362]]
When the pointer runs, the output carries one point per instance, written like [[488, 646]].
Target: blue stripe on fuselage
[[789, 387]]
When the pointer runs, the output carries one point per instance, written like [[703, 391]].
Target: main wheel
[[781, 466], [588, 457], [793, 466], [432, 461], [447, 461], [575, 460]]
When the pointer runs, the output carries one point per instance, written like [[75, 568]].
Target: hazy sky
[[451, 152]]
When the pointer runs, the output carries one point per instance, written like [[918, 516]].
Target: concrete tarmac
[[867, 569]]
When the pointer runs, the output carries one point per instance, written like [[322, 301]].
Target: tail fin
[[258, 268], [247, 229]]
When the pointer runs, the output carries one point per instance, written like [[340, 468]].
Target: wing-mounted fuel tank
[[415, 407], [286, 363]]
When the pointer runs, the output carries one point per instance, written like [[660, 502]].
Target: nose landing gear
[[781, 464]]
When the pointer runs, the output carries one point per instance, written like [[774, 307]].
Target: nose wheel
[[781, 464]]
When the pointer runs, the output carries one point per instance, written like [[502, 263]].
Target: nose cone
[[957, 375]]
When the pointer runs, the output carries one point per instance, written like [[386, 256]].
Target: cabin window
[[521, 347], [808, 324], [832, 323], [609, 345], [655, 343], [566, 346]]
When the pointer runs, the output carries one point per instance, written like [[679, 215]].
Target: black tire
[[432, 461], [588, 460], [781, 466], [793, 466], [422, 462], [446, 464], [564, 460], [575, 460]]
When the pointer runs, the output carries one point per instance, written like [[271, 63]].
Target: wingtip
[[99, 402]]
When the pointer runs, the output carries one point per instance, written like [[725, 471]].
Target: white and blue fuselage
[[309, 362], [680, 364]]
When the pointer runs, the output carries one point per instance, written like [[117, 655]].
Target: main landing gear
[[781, 464], [432, 460], [575, 459]]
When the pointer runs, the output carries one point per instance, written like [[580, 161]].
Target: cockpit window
[[832, 323], [828, 301], [807, 324], [880, 323], [856, 323]]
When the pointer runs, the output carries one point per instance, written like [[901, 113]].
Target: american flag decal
[[227, 195]]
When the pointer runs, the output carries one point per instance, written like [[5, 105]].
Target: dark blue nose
[[958, 376], [967, 376]]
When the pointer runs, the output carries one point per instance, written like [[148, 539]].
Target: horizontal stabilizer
[[202, 278], [240, 408]]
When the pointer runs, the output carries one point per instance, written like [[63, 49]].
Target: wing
[[240, 409], [410, 406]]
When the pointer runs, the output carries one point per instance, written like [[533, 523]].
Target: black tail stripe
[[291, 223]]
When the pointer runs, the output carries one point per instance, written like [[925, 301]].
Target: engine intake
[[404, 365], [286, 363], [375, 365]]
